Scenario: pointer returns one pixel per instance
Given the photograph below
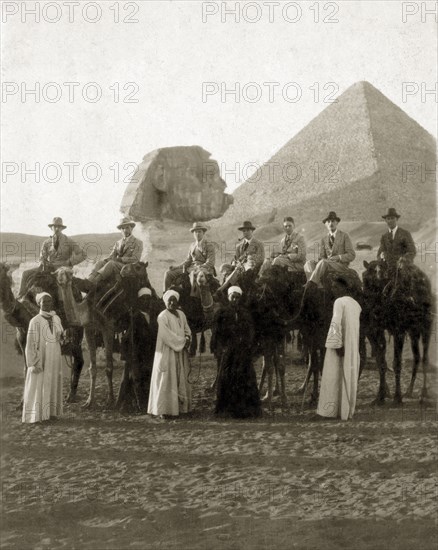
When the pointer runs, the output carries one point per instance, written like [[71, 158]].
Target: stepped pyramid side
[[404, 152], [351, 158]]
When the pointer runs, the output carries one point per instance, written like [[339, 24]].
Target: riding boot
[[310, 285], [229, 281], [84, 285], [223, 287]]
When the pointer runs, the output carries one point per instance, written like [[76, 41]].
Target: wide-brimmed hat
[[331, 216], [58, 222], [198, 225], [124, 222], [392, 213], [246, 225]]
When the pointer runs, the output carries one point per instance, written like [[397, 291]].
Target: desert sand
[[99, 479]]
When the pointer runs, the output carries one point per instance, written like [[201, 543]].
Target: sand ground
[[99, 479]]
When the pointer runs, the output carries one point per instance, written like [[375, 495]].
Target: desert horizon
[[166, 242]]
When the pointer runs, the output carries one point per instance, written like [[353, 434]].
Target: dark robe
[[134, 387], [232, 343]]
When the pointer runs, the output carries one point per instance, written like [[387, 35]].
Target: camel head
[[274, 273], [182, 280], [201, 279], [278, 280], [225, 270], [64, 275], [5, 282], [374, 274], [4, 271], [137, 270]]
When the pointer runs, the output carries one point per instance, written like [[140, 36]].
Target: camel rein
[[68, 358]]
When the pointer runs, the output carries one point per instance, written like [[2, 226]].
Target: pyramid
[[359, 156]]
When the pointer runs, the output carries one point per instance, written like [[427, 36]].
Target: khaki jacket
[[296, 249], [66, 254], [255, 248], [342, 247], [202, 257], [127, 251]]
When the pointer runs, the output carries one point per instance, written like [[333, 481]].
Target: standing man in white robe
[[340, 373], [170, 392], [43, 386]]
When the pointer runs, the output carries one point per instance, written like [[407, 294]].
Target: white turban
[[235, 289], [40, 296], [168, 294], [145, 291]]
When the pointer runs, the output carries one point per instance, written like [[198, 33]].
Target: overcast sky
[[151, 75]]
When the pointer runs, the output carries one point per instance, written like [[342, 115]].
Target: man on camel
[[292, 253], [395, 244], [336, 253], [57, 251], [201, 257], [125, 251], [249, 257]]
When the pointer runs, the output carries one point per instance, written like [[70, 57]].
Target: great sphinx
[[180, 183]]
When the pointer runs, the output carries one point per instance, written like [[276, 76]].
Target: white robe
[[337, 397], [170, 391], [43, 390]]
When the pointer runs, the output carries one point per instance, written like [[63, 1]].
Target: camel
[[19, 316], [402, 307], [199, 309], [106, 313], [309, 312], [314, 319], [265, 298], [138, 351], [273, 298], [314, 322], [16, 314]]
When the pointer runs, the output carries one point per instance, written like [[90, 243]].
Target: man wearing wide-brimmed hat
[[292, 254], [335, 253], [57, 251], [395, 243], [201, 257], [127, 250], [249, 257], [249, 247]]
